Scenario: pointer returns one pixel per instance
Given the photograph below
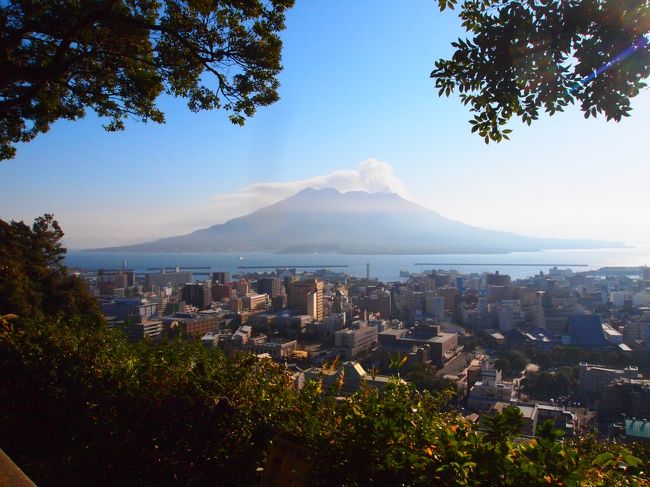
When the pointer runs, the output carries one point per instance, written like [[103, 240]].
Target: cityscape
[[568, 346]]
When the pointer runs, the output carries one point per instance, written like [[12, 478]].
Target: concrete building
[[489, 390], [162, 279], [451, 297], [198, 295], [145, 329], [562, 418], [625, 397], [350, 376], [434, 306], [352, 343], [220, 277], [378, 302], [528, 413], [299, 297], [440, 346], [277, 349], [256, 301], [220, 291], [270, 285], [593, 378], [135, 310], [497, 279], [191, 324]]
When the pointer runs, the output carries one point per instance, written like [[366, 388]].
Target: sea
[[386, 268]]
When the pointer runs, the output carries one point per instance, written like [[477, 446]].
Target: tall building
[[198, 294], [497, 279], [434, 305], [221, 277], [299, 297], [378, 302], [162, 279], [220, 291], [270, 285], [243, 287]]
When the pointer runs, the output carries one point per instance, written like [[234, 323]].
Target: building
[[489, 390], [451, 296], [592, 378], [197, 294], [135, 310], [220, 291], [221, 277], [192, 324], [162, 279], [637, 430], [270, 285], [439, 345], [625, 397], [352, 343], [299, 299], [529, 415], [277, 349], [255, 301], [146, 329], [378, 302], [348, 378], [434, 306], [497, 279], [561, 418], [243, 288], [586, 331]]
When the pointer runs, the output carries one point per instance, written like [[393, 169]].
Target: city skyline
[[357, 111]]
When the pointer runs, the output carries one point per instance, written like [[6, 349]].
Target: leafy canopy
[[522, 57], [59, 59]]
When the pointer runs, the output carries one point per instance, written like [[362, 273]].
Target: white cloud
[[98, 229], [372, 176]]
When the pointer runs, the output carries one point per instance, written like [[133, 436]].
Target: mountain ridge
[[328, 221]]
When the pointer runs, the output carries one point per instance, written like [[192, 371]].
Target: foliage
[[33, 279], [511, 363], [425, 377], [59, 59], [548, 385], [82, 406], [521, 57]]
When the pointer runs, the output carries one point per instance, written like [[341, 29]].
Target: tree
[[33, 279], [524, 56], [59, 59]]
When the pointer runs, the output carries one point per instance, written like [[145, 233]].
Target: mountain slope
[[355, 222]]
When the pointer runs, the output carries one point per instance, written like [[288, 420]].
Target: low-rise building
[[592, 378], [440, 345], [489, 390]]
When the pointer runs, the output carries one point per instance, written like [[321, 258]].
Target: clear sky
[[357, 111]]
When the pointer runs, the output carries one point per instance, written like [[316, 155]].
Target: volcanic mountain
[[326, 220]]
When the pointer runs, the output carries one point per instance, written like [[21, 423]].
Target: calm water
[[383, 267]]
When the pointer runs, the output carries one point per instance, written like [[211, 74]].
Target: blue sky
[[358, 111]]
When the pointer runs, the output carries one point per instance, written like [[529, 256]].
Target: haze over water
[[384, 267]]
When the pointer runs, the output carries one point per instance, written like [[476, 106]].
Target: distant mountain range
[[327, 221]]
